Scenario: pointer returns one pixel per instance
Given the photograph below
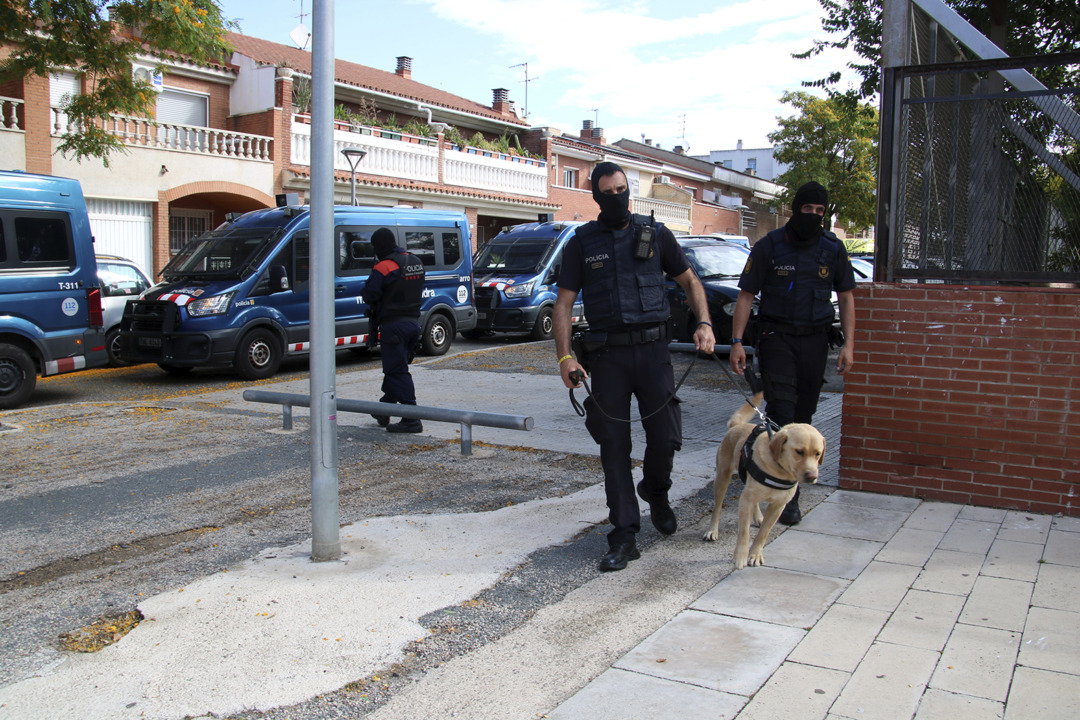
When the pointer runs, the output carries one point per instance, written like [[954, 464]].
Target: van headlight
[[216, 305], [516, 291]]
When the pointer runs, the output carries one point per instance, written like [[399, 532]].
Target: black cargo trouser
[[793, 371], [396, 340], [643, 371]]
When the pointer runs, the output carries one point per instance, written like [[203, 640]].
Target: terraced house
[[231, 137]]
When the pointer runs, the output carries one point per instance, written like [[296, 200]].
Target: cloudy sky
[[698, 73]]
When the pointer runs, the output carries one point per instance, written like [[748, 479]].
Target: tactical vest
[[798, 286], [618, 289], [401, 298]]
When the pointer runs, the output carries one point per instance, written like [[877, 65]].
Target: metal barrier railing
[[467, 418]]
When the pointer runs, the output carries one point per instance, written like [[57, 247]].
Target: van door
[[355, 259], [292, 302]]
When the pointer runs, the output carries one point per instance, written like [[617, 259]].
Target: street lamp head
[[354, 155]]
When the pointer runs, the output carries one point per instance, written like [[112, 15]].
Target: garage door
[[124, 228]]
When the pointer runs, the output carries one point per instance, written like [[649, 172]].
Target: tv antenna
[[596, 117], [685, 145], [527, 80], [300, 34]]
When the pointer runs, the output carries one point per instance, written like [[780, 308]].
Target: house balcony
[[675, 215], [12, 133], [410, 157]]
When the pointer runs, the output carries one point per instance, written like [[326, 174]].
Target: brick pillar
[[38, 121]]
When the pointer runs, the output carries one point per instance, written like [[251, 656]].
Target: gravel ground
[[78, 544]]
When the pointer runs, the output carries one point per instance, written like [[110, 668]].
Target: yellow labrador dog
[[790, 456]]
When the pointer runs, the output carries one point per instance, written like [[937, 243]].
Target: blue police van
[[238, 296], [516, 274], [50, 296]]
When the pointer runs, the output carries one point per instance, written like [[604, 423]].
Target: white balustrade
[[9, 113], [665, 211], [472, 169]]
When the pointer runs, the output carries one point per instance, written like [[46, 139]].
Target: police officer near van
[[618, 262], [796, 268], [394, 291]]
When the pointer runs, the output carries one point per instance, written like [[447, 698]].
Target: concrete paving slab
[[934, 516], [977, 661], [1065, 523], [982, 514], [1052, 640], [1025, 527], [795, 692], [1063, 548], [910, 546], [819, 554], [770, 595], [853, 521], [1044, 695], [888, 683], [998, 603], [972, 536], [1058, 587], [905, 505], [840, 639], [1013, 560], [623, 695], [950, 571], [881, 586], [923, 620], [722, 653], [941, 705]]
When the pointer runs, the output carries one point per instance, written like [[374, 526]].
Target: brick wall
[[965, 394], [707, 219]]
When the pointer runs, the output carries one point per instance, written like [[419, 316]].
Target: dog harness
[[747, 464]]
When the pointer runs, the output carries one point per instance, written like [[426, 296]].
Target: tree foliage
[[834, 142], [100, 39], [1036, 27]]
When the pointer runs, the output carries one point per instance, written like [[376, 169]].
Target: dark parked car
[[718, 264]]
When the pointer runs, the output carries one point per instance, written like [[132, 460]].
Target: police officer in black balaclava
[[796, 269], [394, 292], [618, 263]]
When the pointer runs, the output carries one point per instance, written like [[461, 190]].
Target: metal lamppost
[[354, 155]]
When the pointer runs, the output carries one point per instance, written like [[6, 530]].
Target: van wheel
[[176, 370], [18, 376], [544, 328], [112, 347], [438, 334], [259, 355]]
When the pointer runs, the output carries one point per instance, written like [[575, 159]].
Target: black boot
[[407, 425], [383, 420], [618, 555], [663, 517], [792, 515]]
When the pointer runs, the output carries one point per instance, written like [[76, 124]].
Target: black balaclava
[[807, 226], [614, 209], [383, 242]]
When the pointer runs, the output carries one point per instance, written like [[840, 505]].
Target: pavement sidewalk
[[873, 607]]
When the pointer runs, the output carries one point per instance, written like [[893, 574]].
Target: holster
[[583, 348]]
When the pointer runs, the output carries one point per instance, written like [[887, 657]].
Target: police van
[[238, 296], [515, 279], [50, 297]]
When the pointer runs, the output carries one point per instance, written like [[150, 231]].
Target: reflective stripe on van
[[340, 342], [177, 298], [64, 365]]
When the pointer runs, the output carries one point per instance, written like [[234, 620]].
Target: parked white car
[[121, 281]]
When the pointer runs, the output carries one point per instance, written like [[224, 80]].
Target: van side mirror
[[279, 278]]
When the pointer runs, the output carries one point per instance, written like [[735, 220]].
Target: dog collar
[[748, 466]]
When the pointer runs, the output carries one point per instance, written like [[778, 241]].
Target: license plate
[[150, 342]]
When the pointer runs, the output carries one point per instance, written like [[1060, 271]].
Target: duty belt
[[636, 336], [790, 329]]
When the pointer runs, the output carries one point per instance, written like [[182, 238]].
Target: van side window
[[451, 249], [3, 244], [44, 240], [355, 254], [303, 261], [421, 243]]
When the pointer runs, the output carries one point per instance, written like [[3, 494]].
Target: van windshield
[[228, 252], [520, 256]]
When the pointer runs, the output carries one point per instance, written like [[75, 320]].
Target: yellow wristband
[[564, 358]]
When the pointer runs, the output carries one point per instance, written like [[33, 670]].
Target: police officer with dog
[[796, 268], [394, 291], [618, 262]]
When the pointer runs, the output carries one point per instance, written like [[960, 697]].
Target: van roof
[[545, 229], [29, 189]]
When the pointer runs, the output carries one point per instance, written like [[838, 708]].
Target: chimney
[[648, 141], [679, 150], [404, 67], [501, 101], [738, 145], [598, 135]]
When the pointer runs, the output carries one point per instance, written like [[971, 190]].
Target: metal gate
[[124, 228]]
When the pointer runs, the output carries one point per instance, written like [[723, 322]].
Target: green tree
[[100, 39], [1036, 27], [834, 142]]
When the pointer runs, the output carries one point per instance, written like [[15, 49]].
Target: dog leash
[[579, 377]]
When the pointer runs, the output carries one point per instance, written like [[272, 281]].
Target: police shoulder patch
[[746, 268]]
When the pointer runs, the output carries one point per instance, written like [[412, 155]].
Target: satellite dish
[[301, 36]]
